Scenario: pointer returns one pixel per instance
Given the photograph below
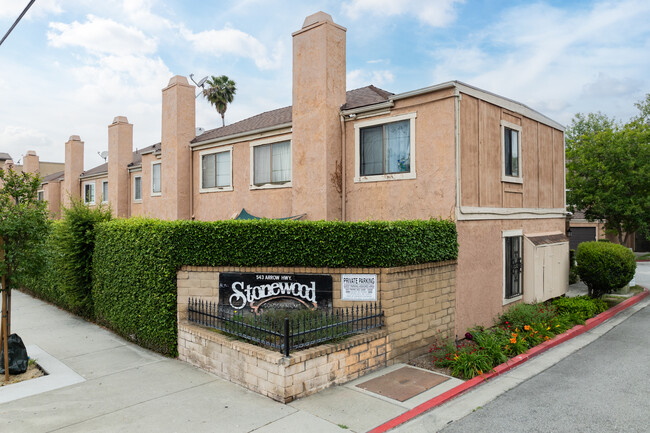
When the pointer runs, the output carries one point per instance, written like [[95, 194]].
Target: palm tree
[[220, 92]]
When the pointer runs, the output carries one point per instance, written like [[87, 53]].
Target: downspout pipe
[[343, 166]]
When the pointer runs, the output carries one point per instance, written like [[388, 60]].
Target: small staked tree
[[23, 226], [220, 92]]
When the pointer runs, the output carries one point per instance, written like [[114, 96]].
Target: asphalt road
[[603, 387]]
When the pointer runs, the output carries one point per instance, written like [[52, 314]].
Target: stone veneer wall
[[418, 303]]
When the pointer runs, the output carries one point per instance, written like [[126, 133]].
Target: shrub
[[136, 260], [583, 306], [604, 266], [520, 315]]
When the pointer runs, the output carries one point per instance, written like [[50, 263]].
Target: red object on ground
[[510, 364]]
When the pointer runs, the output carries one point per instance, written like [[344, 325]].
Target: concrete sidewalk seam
[[511, 363]]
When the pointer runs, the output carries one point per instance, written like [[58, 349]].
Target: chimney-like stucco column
[[31, 162], [74, 166], [178, 127], [120, 154], [318, 93]]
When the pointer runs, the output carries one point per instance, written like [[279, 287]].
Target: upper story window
[[89, 193], [105, 191], [216, 169], [271, 164], [511, 144], [137, 188], [385, 148], [156, 177], [41, 195]]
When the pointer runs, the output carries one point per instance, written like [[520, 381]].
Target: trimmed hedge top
[[295, 243]]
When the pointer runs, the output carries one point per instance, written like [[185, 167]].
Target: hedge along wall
[[135, 260]]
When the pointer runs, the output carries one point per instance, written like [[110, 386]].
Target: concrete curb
[[511, 363]]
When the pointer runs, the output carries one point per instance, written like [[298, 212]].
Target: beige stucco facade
[[455, 154]]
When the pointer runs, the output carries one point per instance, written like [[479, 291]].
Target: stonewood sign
[[252, 291]]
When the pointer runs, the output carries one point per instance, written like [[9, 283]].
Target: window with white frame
[[137, 188], [89, 193], [511, 145], [513, 264], [271, 164], [216, 169], [41, 195], [105, 191], [156, 177], [385, 148]]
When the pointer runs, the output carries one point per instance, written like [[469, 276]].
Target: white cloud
[[436, 13], [361, 78], [24, 138], [13, 8], [543, 55], [101, 35], [235, 43]]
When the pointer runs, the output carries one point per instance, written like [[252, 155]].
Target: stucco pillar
[[318, 93], [74, 166], [30, 162], [178, 127], [120, 154]]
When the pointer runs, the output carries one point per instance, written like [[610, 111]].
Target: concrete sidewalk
[[122, 387], [104, 383]]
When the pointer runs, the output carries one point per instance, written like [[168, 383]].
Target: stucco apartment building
[[493, 165]]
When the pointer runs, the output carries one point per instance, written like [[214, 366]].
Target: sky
[[71, 66]]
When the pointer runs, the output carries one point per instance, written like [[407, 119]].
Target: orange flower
[[527, 328], [513, 340]]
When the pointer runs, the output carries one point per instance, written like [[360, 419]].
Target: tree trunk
[[223, 120]]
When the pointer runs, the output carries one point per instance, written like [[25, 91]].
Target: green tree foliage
[[604, 266], [608, 170], [75, 245], [23, 223], [220, 93]]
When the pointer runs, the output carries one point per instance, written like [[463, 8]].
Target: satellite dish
[[103, 155], [201, 81]]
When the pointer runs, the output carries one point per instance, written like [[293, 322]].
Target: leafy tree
[[608, 171], [220, 93], [23, 223]]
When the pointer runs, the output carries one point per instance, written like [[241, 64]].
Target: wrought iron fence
[[303, 328]]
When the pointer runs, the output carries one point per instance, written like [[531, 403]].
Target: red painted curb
[[510, 364]]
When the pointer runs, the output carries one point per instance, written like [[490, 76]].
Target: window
[[513, 265], [155, 179], [41, 196], [511, 140], [385, 148], [105, 191], [89, 193], [137, 188], [216, 170], [271, 164]]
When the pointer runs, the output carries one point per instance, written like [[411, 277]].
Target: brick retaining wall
[[418, 303]]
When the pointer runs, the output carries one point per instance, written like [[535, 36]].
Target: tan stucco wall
[[318, 92], [120, 149], [433, 192], [479, 290], [221, 205], [52, 194], [542, 159]]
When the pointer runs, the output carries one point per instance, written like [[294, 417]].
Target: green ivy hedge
[[135, 260]]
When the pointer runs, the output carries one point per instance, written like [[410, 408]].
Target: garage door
[[581, 234]]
